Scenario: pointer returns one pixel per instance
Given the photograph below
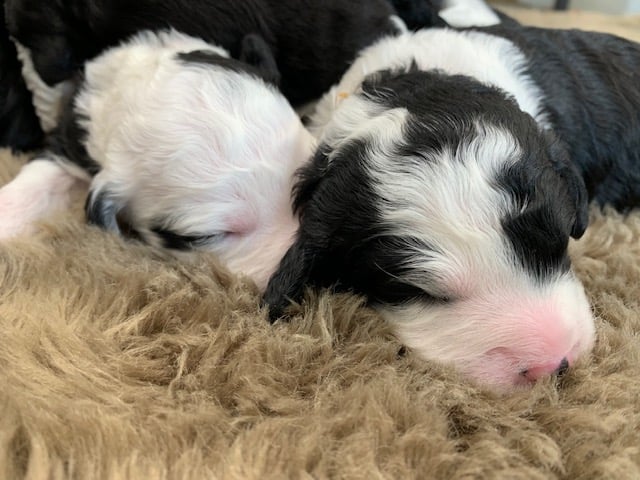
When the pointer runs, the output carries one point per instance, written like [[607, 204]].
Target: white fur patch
[[452, 202], [468, 13]]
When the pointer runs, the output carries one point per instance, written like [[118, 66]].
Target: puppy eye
[[177, 241], [408, 291], [437, 299]]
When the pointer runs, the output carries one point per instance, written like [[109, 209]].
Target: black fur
[[418, 14], [67, 140], [313, 43], [19, 125], [256, 59], [341, 241], [591, 87]]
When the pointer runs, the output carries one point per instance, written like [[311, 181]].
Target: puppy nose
[[534, 373]]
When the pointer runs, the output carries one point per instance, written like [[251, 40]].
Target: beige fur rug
[[118, 363]]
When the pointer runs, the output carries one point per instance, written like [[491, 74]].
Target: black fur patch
[[68, 138], [19, 126], [418, 14], [258, 60]]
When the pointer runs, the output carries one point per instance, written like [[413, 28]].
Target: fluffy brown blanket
[[118, 363]]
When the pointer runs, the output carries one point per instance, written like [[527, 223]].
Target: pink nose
[[534, 373]]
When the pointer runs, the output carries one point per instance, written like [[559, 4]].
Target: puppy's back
[[591, 90]]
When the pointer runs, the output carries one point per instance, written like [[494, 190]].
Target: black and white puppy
[[453, 167], [181, 144]]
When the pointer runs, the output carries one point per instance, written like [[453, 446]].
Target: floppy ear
[[255, 52], [289, 280], [298, 264], [576, 187], [54, 59]]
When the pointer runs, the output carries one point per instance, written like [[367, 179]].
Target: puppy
[[181, 145], [452, 169], [313, 44]]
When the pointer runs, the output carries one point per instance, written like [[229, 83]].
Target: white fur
[[495, 332], [47, 100], [41, 188], [487, 58], [363, 119], [468, 13], [207, 150]]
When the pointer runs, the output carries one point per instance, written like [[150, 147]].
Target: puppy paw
[[17, 214], [39, 190]]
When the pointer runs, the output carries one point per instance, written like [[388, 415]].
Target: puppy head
[[443, 203], [196, 150], [61, 34]]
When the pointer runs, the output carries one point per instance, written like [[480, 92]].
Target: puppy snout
[[552, 369]]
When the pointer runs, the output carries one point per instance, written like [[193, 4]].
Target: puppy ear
[[297, 266], [54, 59], [255, 52], [289, 280], [576, 187], [102, 209]]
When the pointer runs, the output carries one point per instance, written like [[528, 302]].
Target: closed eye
[[420, 293], [177, 241], [399, 292], [397, 289]]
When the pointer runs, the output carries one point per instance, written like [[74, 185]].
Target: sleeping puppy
[[181, 146], [452, 169], [313, 44]]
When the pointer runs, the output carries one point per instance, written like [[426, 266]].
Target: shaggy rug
[[119, 363]]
